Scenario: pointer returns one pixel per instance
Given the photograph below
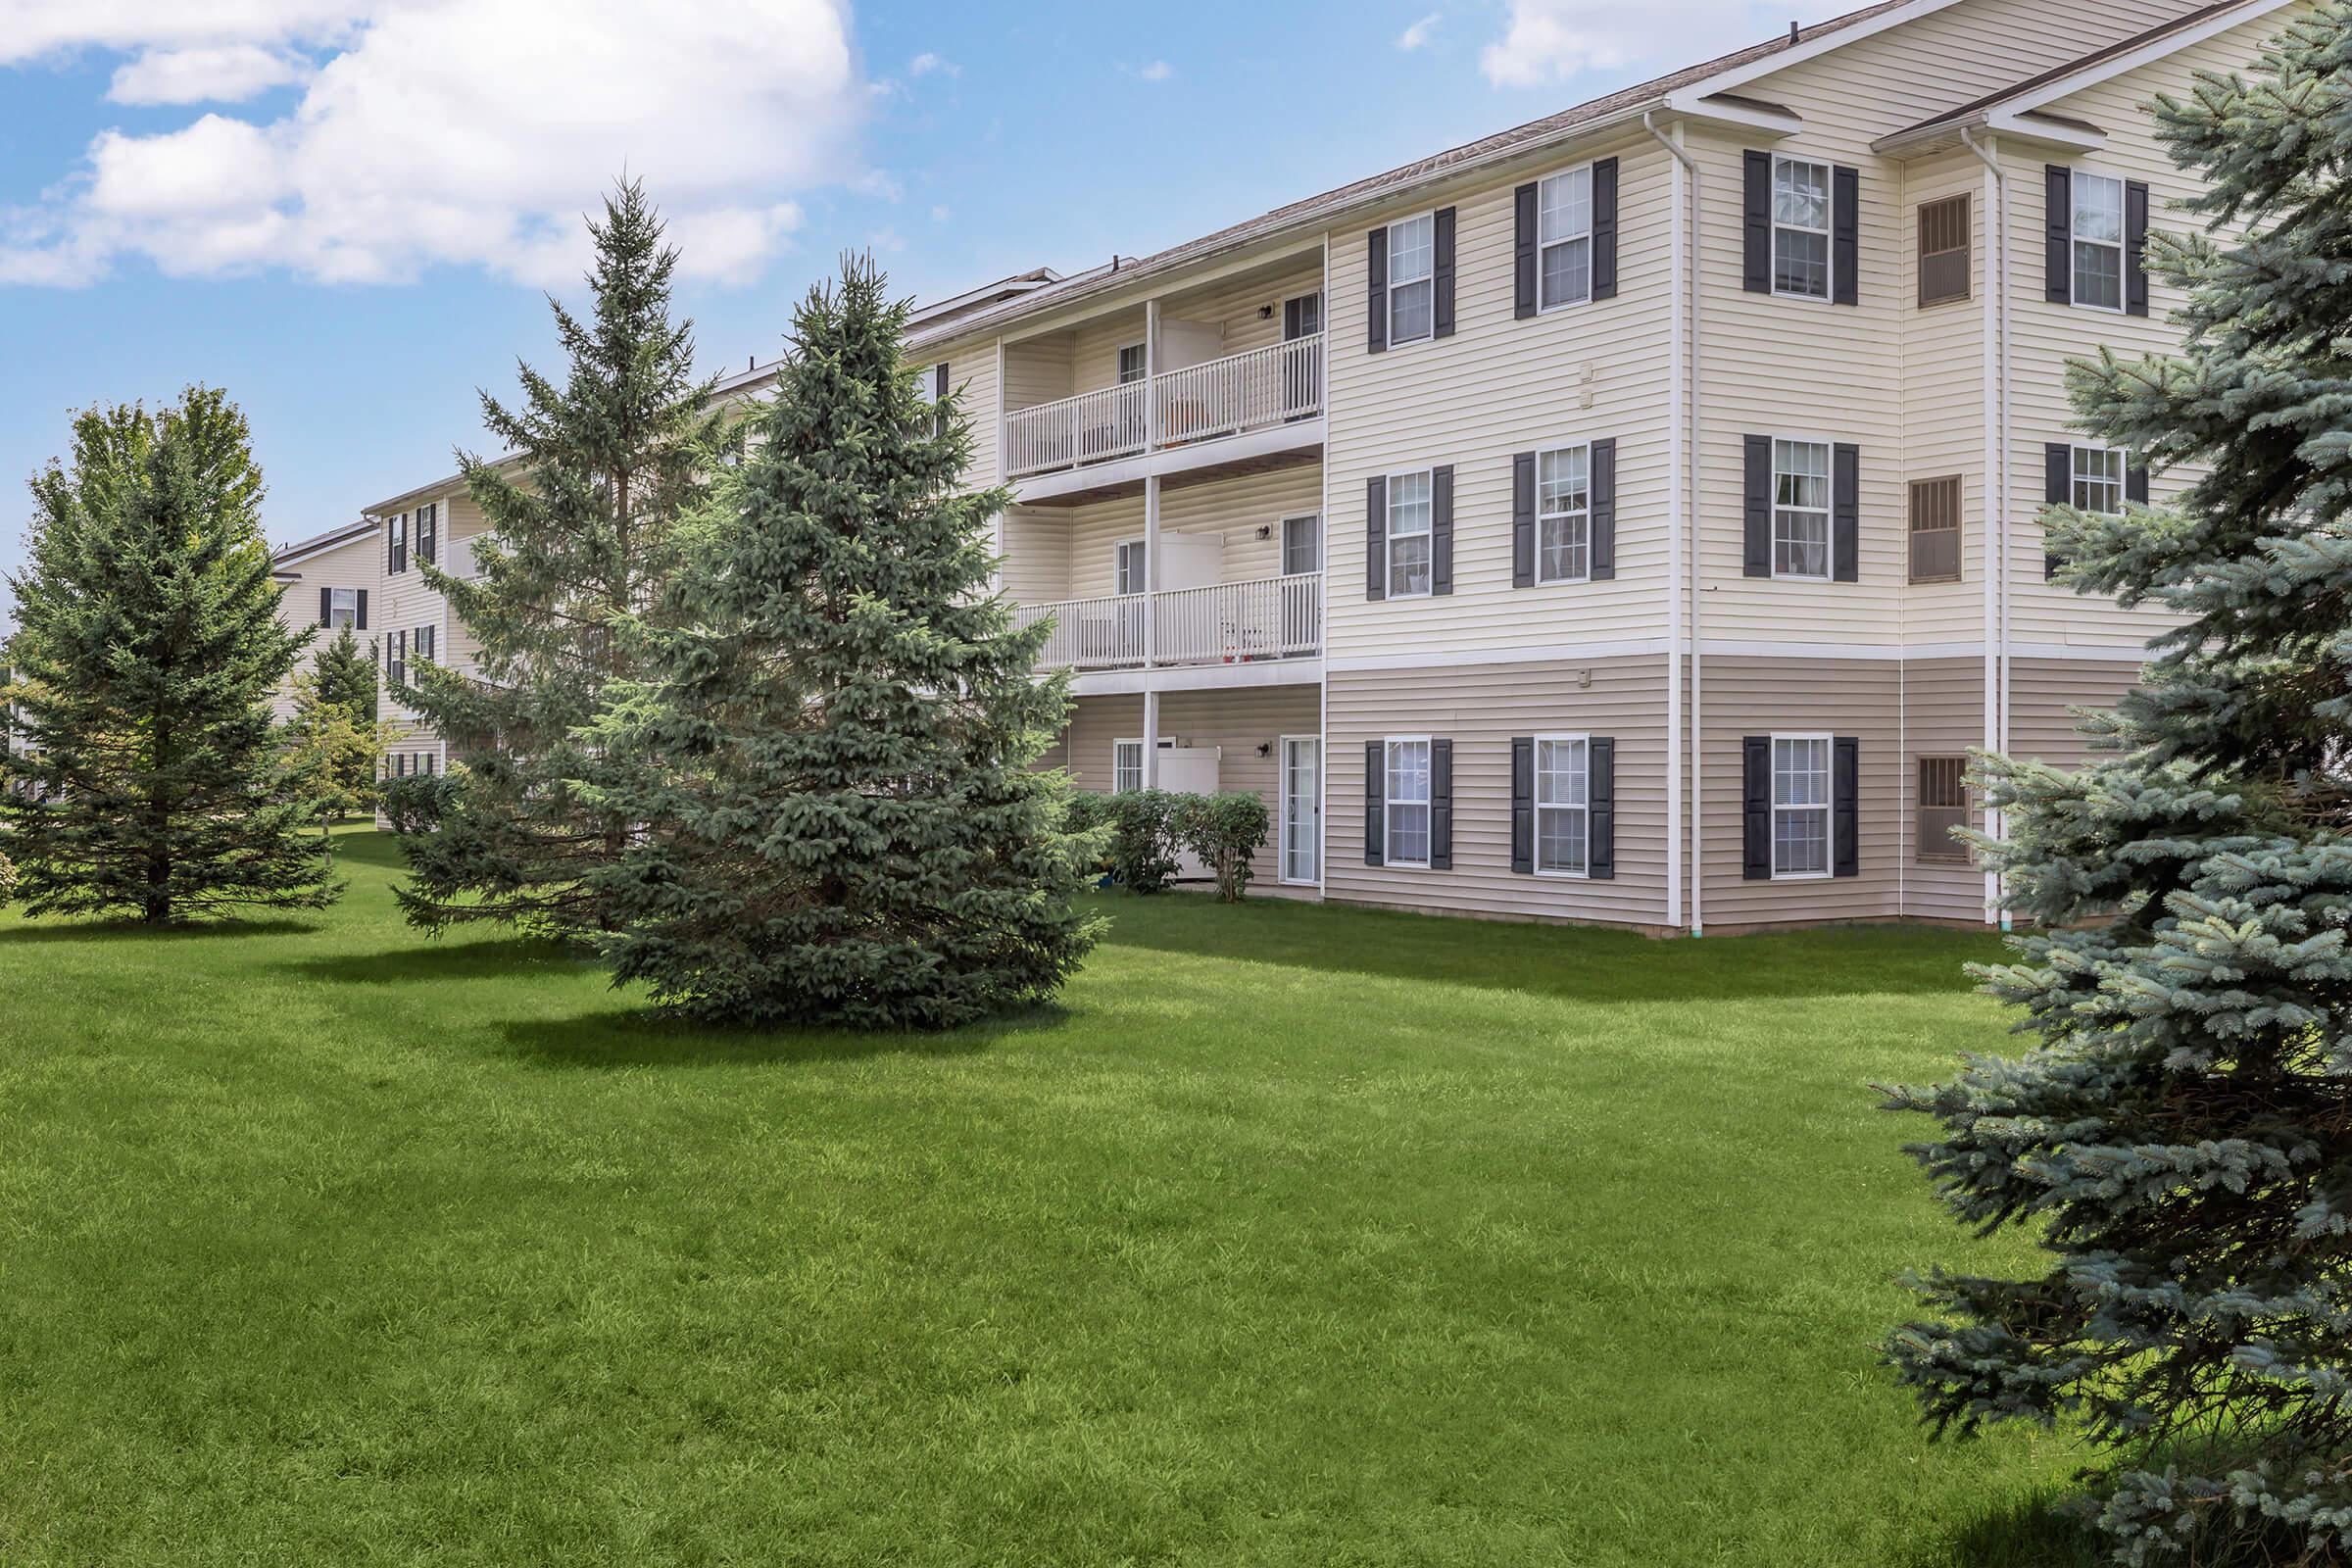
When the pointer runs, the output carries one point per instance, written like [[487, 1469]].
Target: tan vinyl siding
[[2044, 692], [1944, 400], [357, 564], [1497, 387], [1037, 371], [1857, 697], [1036, 542], [1481, 710], [973, 380], [1944, 716]]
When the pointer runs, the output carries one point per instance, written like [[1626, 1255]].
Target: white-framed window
[[1131, 364], [421, 644], [399, 526], [2097, 225], [1127, 566], [2098, 480], [342, 608], [429, 526], [1565, 514], [1564, 239], [1801, 509], [1801, 228], [1801, 805], [1302, 315], [1412, 279], [1405, 809], [1563, 803], [1411, 542], [1302, 545], [1126, 766]]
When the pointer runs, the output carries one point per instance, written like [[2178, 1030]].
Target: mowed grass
[[1294, 1236]]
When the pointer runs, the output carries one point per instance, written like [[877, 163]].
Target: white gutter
[[1996, 482], [1682, 524]]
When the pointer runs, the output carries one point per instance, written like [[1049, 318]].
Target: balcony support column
[[1151, 374], [1151, 737]]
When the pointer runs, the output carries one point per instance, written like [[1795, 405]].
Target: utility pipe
[[1996, 480], [1681, 549]]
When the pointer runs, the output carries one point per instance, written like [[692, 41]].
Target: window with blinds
[[1935, 529], [1943, 250], [1942, 806]]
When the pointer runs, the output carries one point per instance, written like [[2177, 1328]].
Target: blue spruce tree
[[2180, 1140]]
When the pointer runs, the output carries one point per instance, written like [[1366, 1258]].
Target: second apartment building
[[1628, 518]]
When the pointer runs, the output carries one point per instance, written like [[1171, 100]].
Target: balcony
[[1263, 389], [1253, 622]]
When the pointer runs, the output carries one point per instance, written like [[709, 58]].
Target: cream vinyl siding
[[1944, 400], [1037, 371], [1481, 709], [2046, 334], [1036, 554], [357, 565], [972, 378], [1944, 716], [1907, 74], [1497, 387], [405, 603], [1232, 509], [1857, 697]]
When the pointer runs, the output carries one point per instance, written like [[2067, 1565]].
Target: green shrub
[[1142, 852], [1224, 830]]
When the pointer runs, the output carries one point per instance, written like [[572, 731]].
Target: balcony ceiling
[[1113, 480]]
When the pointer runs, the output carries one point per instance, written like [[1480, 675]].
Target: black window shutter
[[1441, 272], [1755, 808], [939, 381], [1376, 278], [1376, 538], [1523, 805], [1757, 271], [2135, 482], [391, 549], [2057, 488], [1441, 528], [327, 606], [2058, 247], [1376, 785], [1523, 520], [1845, 513], [360, 615], [1845, 235], [1760, 507], [1522, 252], [430, 518], [1603, 496], [2136, 248], [1604, 229], [1441, 806], [1846, 814], [1600, 812]]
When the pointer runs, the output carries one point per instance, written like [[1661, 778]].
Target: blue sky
[[289, 197]]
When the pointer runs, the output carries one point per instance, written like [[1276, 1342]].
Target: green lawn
[[1297, 1236]]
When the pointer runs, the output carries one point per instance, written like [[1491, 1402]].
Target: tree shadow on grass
[[503, 959], [645, 1038], [29, 931], [1578, 963], [2036, 1532]]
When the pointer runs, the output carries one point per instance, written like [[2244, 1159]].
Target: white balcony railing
[[1229, 623], [1269, 386]]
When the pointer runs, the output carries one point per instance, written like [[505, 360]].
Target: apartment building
[[1627, 517], [324, 582]]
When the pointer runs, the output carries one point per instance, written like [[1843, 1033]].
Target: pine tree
[[346, 676], [147, 648], [613, 458], [2180, 1140], [832, 759], [334, 753]]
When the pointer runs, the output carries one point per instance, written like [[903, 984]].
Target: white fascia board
[[2049, 92], [1692, 104]]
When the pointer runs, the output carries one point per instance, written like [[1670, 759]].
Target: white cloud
[[1416, 35], [924, 64], [465, 133], [1549, 41], [940, 215], [228, 74], [879, 182], [1157, 71]]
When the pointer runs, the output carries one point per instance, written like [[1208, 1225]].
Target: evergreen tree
[[2180, 1140], [613, 458], [831, 760], [334, 755], [147, 648], [346, 676]]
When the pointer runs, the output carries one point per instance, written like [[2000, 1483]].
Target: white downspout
[[1681, 537], [1996, 482]]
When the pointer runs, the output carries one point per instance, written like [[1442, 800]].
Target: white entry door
[[1302, 808]]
